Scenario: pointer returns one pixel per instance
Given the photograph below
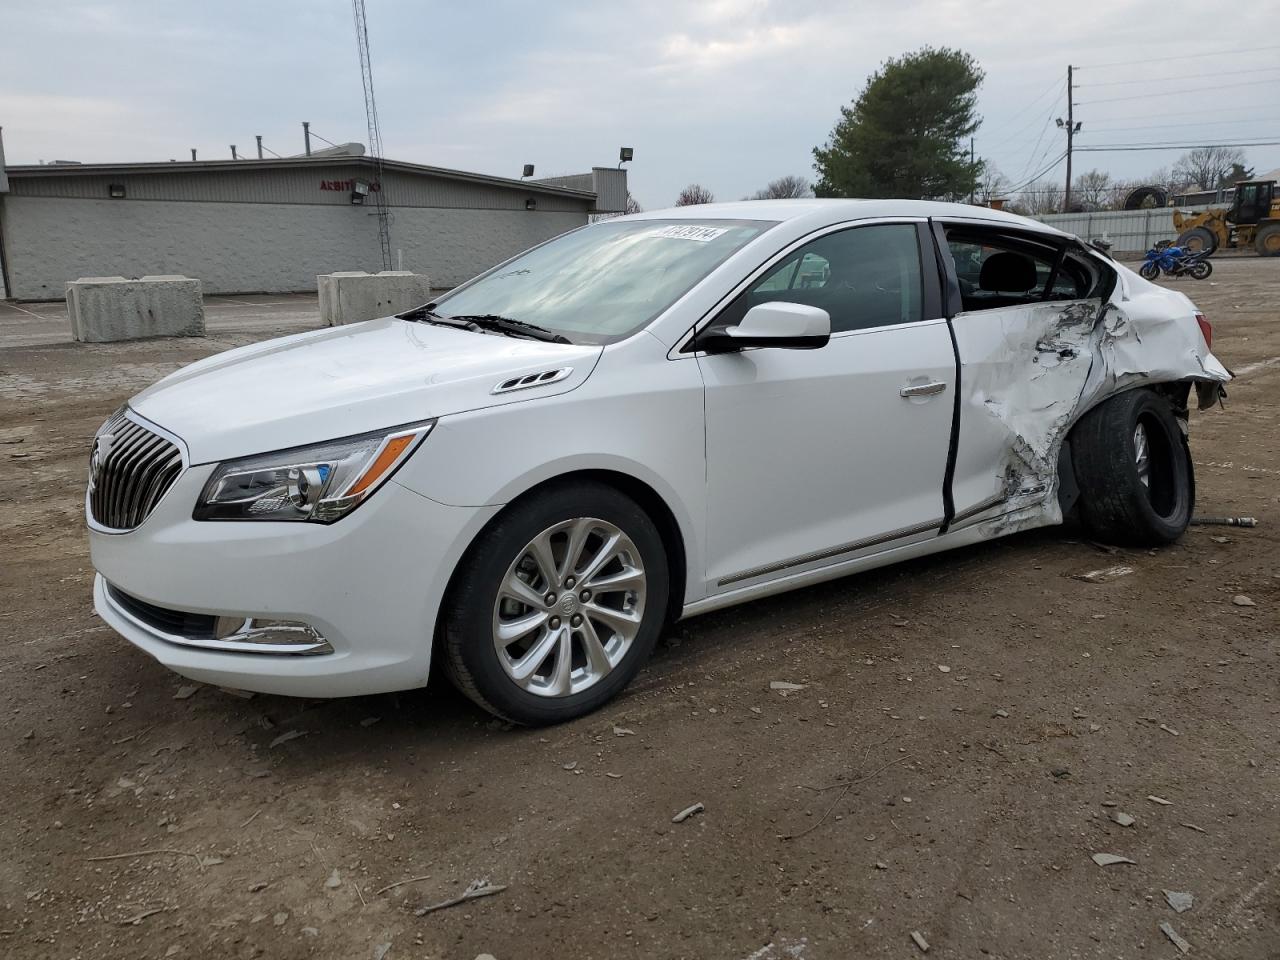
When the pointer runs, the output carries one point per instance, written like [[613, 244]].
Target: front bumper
[[370, 584]]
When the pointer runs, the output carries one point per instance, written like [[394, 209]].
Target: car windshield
[[604, 282]]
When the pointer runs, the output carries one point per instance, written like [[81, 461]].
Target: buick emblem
[[101, 450]]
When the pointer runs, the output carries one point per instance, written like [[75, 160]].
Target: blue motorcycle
[[1175, 262]]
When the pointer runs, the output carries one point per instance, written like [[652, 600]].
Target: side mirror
[[792, 326]]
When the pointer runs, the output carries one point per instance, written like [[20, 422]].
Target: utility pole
[[375, 131], [1066, 194], [258, 137], [193, 154], [306, 136], [1072, 128], [233, 152]]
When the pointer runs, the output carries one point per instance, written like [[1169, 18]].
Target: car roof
[[821, 212]]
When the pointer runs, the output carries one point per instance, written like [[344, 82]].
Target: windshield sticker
[[700, 234]]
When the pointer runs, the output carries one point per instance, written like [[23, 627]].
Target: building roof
[[286, 163]]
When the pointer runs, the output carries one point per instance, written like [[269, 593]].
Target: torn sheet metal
[[1029, 372]]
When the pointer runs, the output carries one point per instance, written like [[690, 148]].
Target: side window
[[1001, 271], [863, 277], [782, 277]]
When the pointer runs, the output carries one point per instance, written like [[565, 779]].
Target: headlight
[[321, 483]]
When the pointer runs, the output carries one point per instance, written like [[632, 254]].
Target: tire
[[1150, 270], [1200, 270], [1197, 239], [1267, 240], [1116, 504], [539, 677], [1145, 198]]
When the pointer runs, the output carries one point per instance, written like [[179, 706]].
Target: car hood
[[346, 380]]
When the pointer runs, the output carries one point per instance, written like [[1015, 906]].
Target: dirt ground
[[968, 727]]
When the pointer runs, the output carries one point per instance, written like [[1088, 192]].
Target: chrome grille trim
[[140, 464]]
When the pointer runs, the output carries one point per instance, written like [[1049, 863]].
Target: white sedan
[[641, 420]]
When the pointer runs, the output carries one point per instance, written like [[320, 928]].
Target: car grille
[[131, 469], [176, 623]]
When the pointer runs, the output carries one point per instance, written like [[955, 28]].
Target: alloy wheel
[[1142, 455], [569, 607]]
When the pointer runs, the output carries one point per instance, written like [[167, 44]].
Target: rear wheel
[[1133, 467], [1200, 270], [1267, 242], [1198, 239], [557, 605]]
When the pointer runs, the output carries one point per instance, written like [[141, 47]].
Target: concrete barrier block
[[107, 309], [354, 296]]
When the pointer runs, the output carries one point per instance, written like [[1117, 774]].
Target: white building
[[271, 226]]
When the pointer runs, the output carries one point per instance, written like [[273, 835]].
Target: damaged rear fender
[[1030, 372]]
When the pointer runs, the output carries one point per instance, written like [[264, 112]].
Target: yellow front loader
[[1253, 219]]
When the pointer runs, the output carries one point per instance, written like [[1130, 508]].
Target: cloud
[[682, 52], [732, 93]]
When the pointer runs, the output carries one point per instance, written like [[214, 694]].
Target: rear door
[[1025, 307], [816, 457]]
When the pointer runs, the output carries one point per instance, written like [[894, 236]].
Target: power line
[[1185, 56], [1031, 161], [1009, 122], [1121, 148], [1153, 80], [1185, 113], [1164, 126], [1062, 156], [1148, 96], [1235, 142], [1020, 133]]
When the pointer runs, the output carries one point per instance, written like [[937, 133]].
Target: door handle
[[923, 389]]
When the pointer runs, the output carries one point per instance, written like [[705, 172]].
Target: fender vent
[[539, 379]]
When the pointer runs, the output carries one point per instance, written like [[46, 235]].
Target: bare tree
[[1207, 167], [789, 187], [693, 194], [992, 184], [1040, 198], [633, 205], [1094, 190]]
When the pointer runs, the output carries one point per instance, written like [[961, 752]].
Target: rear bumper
[[370, 584]]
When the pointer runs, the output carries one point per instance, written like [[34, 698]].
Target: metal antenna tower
[[375, 132]]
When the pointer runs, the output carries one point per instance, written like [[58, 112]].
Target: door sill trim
[[831, 553]]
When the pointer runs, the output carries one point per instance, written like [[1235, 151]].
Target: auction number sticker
[[700, 234]]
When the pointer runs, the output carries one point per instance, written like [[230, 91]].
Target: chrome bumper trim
[[316, 645]]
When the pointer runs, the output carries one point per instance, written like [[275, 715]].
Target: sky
[[727, 93]]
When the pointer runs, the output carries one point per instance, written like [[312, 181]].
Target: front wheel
[[557, 605], [1133, 467], [1149, 270], [1267, 242], [1198, 239], [1200, 270]]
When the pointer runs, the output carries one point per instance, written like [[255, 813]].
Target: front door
[[816, 457], [1024, 333]]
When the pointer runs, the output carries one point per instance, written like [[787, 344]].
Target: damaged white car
[[647, 418]]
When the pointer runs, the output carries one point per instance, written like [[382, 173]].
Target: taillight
[[1206, 329]]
